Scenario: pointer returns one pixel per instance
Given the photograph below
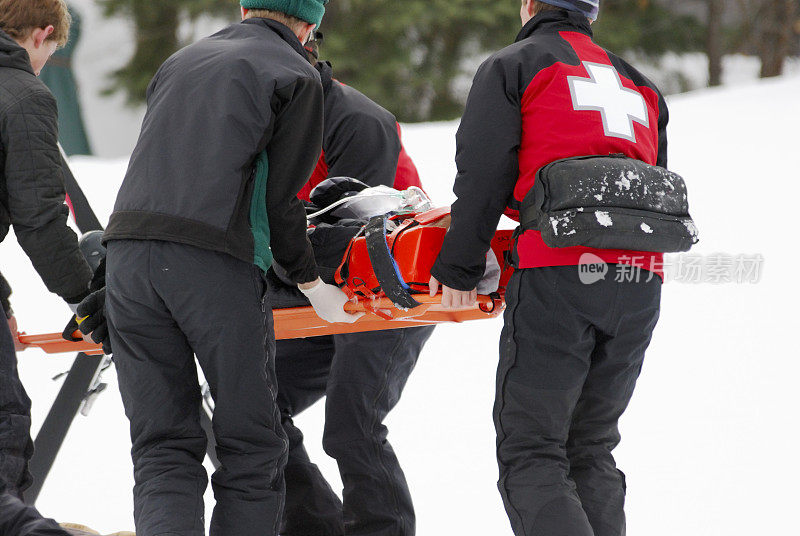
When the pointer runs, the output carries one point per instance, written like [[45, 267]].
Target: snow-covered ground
[[707, 443]]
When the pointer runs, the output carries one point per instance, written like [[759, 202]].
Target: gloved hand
[[92, 311], [71, 328], [328, 302]]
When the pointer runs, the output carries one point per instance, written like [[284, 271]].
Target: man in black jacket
[[570, 352], [362, 375], [31, 199], [232, 130], [361, 139]]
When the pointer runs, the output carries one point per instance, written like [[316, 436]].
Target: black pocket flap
[[618, 229]]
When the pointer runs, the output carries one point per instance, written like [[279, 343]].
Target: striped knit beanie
[[589, 8], [310, 11]]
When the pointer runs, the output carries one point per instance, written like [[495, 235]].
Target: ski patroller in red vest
[[406, 176], [590, 108]]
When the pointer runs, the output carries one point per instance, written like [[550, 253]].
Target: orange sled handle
[[302, 322], [53, 343]]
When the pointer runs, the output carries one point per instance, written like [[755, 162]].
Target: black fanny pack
[[609, 202]]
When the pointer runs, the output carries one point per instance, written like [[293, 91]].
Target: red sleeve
[[407, 174], [319, 175]]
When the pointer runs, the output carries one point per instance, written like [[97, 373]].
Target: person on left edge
[[31, 200], [362, 375], [232, 132]]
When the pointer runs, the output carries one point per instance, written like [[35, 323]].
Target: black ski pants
[[168, 303], [362, 376], [570, 355], [16, 446]]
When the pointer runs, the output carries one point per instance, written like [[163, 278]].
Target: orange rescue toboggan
[[385, 271]]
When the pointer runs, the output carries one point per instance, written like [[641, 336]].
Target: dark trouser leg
[[158, 383], [16, 447], [367, 377], [544, 357], [616, 363], [216, 302], [312, 508], [17, 519], [562, 384], [228, 323]]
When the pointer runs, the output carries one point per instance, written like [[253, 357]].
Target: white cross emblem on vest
[[603, 92]]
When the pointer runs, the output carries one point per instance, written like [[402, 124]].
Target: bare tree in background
[[156, 24], [714, 45], [775, 40], [772, 29]]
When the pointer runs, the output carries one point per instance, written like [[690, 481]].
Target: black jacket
[[524, 113], [5, 294], [212, 108], [31, 177], [361, 138]]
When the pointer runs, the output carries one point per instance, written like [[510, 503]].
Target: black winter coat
[[212, 109], [32, 177], [5, 293], [361, 138]]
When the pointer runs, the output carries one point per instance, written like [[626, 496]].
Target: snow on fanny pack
[[609, 202]]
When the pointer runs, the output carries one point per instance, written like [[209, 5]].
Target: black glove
[[71, 328], [93, 310]]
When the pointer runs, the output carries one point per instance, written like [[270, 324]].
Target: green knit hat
[[310, 11]]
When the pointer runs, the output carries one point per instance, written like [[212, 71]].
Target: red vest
[[552, 128], [407, 174]]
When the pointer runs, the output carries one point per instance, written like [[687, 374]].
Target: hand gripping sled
[[53, 343], [385, 271]]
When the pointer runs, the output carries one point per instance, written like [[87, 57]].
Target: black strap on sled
[[386, 269]]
